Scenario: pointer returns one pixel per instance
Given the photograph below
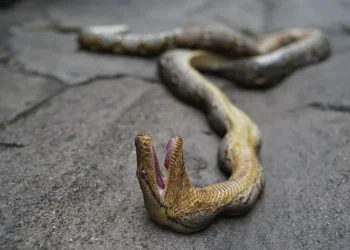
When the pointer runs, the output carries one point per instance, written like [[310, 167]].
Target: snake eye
[[143, 173]]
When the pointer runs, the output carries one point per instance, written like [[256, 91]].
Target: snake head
[[163, 196]]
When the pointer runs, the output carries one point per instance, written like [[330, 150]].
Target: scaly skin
[[174, 201]]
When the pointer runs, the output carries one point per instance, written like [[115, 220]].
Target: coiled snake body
[[173, 201]]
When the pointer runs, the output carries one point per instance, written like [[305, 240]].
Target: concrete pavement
[[69, 118]]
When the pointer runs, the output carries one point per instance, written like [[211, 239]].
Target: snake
[[171, 200]]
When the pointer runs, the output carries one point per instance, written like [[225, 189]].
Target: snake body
[[173, 201]]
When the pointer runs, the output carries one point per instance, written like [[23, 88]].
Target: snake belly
[[173, 201]]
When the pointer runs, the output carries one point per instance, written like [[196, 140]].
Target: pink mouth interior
[[159, 175], [169, 150]]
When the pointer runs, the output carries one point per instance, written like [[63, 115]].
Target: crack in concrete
[[115, 77], [25, 113], [9, 59], [86, 80], [12, 145], [340, 107]]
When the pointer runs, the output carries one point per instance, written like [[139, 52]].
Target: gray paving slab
[[330, 16], [320, 13], [67, 168], [20, 93], [306, 203]]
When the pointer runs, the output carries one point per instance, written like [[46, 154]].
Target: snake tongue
[[158, 172], [169, 150]]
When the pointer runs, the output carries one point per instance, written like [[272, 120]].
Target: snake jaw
[[148, 168]]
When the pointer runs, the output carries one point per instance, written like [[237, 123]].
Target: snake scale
[[173, 201]]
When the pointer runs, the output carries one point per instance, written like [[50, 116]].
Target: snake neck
[[184, 200]]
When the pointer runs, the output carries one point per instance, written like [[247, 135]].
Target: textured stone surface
[[331, 17], [19, 93], [67, 168]]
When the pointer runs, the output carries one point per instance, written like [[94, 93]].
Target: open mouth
[[161, 179]]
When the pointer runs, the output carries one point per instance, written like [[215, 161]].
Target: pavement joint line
[[322, 106], [334, 107], [20, 67], [27, 112], [114, 77], [12, 145]]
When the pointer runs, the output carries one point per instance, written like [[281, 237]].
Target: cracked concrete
[[19, 92], [68, 119], [338, 107]]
